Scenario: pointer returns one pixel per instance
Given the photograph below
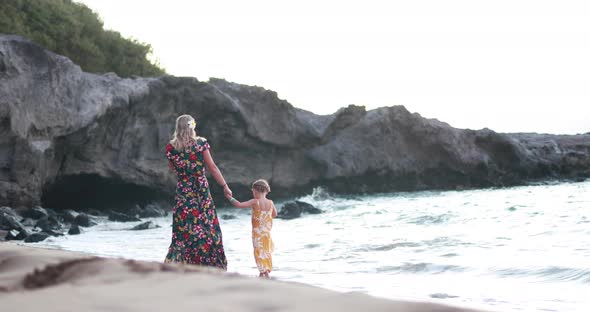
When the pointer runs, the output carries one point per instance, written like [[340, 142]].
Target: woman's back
[[262, 215], [188, 162], [196, 234]]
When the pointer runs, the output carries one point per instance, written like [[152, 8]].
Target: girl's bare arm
[[215, 172], [246, 204], [274, 209]]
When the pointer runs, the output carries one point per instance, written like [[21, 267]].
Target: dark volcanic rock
[[145, 226], [74, 230], [94, 212], [135, 211], [289, 211], [308, 208], [8, 211], [36, 237], [292, 210], [152, 211], [9, 221], [28, 222], [53, 233], [121, 217], [49, 223], [97, 141], [35, 213], [17, 234], [228, 217], [85, 220], [69, 215]]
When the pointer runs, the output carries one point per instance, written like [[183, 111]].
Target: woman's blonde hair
[[261, 186], [184, 132]]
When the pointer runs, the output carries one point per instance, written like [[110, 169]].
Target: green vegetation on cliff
[[72, 29]]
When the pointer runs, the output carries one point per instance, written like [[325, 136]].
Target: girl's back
[[262, 214]]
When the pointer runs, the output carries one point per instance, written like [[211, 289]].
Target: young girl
[[263, 211]]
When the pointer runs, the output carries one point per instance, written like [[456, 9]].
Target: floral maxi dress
[[196, 235], [261, 239]]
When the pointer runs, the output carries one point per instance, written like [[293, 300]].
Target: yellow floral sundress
[[261, 240]]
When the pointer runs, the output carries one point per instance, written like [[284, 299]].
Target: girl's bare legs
[[264, 275]]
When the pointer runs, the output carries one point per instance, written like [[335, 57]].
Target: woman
[[196, 235]]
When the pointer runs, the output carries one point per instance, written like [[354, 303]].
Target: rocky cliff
[[70, 139]]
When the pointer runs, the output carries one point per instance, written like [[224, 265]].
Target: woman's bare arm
[[215, 172]]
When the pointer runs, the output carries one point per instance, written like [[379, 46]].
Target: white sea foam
[[515, 249]]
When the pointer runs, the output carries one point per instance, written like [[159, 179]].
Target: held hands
[[227, 192], [229, 196]]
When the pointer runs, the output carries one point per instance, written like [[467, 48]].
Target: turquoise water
[[514, 249]]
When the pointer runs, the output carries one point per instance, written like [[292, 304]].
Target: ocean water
[[511, 249]]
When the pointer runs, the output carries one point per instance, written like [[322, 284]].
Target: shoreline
[[33, 278]]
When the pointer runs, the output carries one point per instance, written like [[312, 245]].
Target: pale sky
[[512, 66]]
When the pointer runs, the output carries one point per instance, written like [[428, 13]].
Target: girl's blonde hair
[[184, 132], [261, 186]]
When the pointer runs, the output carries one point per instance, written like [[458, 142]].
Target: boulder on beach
[[28, 222], [49, 223], [145, 226], [152, 211], [15, 234], [8, 211], [35, 213], [122, 217], [85, 220], [36, 237], [74, 230], [53, 233], [293, 210], [10, 221], [69, 215]]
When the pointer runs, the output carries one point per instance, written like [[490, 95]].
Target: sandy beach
[[34, 279]]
